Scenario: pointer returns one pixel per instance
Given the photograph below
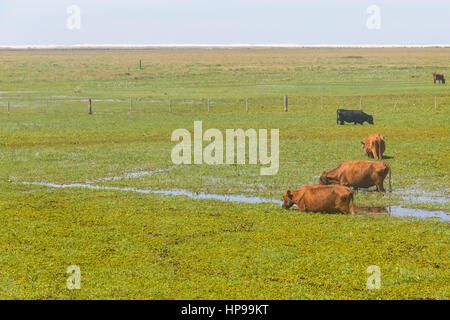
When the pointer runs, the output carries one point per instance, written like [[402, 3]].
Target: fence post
[[7, 108], [246, 105], [395, 104], [170, 105], [285, 103], [90, 106], [140, 64]]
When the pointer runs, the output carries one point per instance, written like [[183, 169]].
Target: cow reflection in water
[[372, 210]]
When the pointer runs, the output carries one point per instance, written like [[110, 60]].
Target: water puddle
[[414, 196], [401, 212], [173, 192], [132, 175], [391, 210], [417, 196]]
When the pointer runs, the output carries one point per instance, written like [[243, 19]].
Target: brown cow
[[318, 198], [374, 146], [439, 76], [358, 174]]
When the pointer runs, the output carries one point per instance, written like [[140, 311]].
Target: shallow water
[[392, 210], [173, 192], [417, 196], [421, 213], [132, 175], [401, 212], [414, 196]]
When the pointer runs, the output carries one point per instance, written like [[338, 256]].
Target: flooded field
[[101, 190], [413, 196]]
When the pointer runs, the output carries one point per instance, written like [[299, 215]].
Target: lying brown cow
[[318, 198], [358, 174], [374, 146], [438, 76]]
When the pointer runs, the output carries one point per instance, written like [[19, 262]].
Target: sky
[[307, 22]]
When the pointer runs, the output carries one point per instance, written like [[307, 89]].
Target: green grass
[[134, 246], [131, 245]]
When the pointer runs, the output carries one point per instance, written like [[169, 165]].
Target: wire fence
[[217, 105]]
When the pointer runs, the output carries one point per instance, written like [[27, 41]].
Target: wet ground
[[401, 211], [368, 210], [417, 196]]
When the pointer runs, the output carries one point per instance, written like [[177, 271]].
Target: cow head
[[324, 179], [370, 119], [287, 200]]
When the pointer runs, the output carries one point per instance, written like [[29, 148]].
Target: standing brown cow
[[318, 198], [439, 76], [374, 146], [358, 174]]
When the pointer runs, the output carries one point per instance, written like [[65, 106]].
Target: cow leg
[[342, 123], [380, 187]]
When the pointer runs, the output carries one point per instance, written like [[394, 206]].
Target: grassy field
[[132, 245]]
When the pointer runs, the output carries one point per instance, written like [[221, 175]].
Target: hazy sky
[[41, 22]]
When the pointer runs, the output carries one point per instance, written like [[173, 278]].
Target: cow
[[374, 146], [358, 174], [318, 198], [439, 76], [355, 116]]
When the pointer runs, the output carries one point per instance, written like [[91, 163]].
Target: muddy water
[[391, 210]]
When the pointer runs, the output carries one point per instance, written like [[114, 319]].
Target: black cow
[[438, 76], [355, 116]]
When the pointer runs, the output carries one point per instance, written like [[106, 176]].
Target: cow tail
[[389, 172]]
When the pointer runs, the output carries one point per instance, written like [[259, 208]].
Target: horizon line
[[206, 46]]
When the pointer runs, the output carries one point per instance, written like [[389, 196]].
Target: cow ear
[[362, 142], [289, 194]]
